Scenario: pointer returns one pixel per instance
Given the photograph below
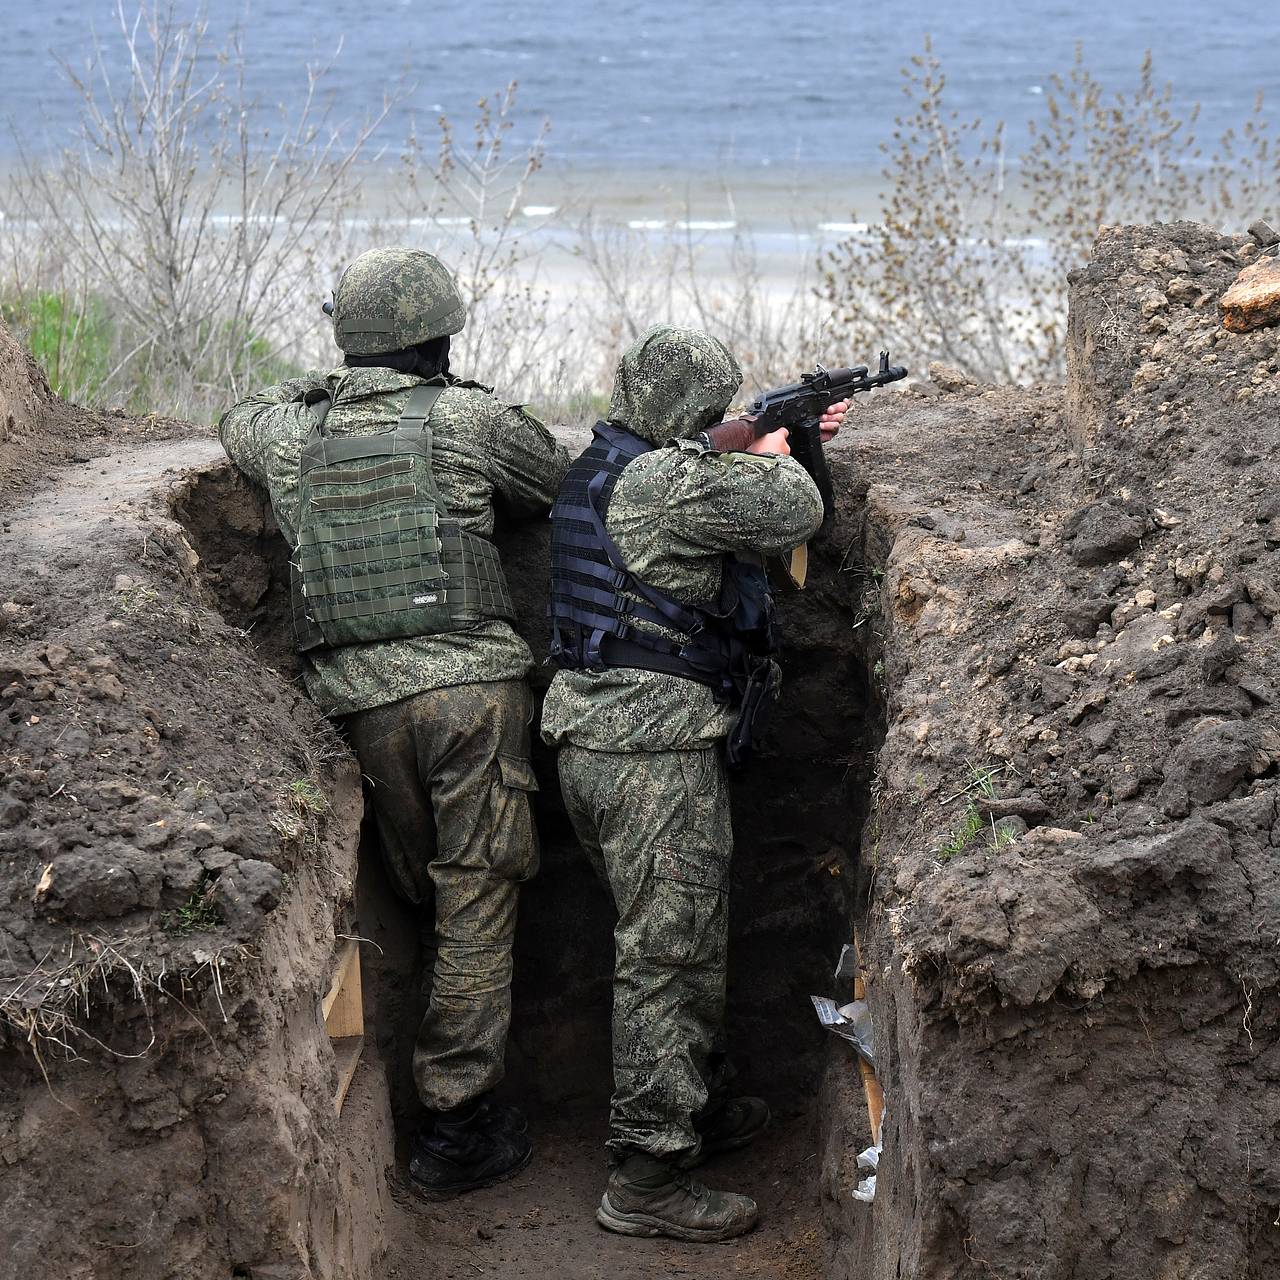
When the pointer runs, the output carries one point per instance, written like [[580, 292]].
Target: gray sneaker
[[648, 1197]]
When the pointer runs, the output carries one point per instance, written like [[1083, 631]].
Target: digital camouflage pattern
[[641, 760], [673, 382], [482, 450], [656, 826], [674, 514], [455, 762], [390, 299]]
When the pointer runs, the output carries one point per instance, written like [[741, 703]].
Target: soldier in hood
[[663, 628], [383, 476]]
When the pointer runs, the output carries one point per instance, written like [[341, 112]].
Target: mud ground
[[542, 1222]]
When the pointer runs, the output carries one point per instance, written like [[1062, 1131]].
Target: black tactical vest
[[378, 557], [603, 616]]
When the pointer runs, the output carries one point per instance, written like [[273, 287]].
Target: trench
[[796, 889]]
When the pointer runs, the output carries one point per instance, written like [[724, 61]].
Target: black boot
[[730, 1124], [464, 1152], [651, 1197], [501, 1117]]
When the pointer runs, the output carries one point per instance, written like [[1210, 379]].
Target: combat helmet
[[392, 299]]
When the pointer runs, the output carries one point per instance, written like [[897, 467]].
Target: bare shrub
[[773, 327], [470, 198], [194, 219], [969, 262], [942, 274], [1104, 159], [634, 279], [558, 346]]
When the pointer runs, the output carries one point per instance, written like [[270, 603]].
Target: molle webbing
[[378, 557]]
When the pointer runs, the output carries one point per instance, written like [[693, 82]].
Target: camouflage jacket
[[483, 450], [674, 514]]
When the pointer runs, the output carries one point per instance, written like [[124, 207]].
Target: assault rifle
[[799, 407]]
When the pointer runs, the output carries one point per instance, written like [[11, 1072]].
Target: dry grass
[[50, 1006]]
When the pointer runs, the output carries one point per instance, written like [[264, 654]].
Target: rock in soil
[[1254, 298]]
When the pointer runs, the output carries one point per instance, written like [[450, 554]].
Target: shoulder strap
[[627, 443], [422, 401], [417, 413]]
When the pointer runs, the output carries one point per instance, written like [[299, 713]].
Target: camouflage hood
[[673, 382]]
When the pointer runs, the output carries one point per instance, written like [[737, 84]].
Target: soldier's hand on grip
[[829, 423], [774, 442]]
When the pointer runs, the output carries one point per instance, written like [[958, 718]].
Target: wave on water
[[582, 65], [543, 218]]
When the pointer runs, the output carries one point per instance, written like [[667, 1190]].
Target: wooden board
[[346, 1058], [794, 567], [343, 1011], [343, 1005], [875, 1100], [870, 1084]]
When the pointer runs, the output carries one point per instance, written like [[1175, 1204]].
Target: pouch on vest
[[378, 557]]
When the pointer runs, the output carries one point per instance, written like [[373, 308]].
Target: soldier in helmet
[[383, 476], [663, 627]]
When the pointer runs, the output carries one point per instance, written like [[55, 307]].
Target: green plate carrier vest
[[378, 557]]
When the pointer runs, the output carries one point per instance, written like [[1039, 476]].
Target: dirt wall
[[1072, 925], [24, 401], [178, 833]]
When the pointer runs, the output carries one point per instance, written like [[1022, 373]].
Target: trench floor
[[542, 1223]]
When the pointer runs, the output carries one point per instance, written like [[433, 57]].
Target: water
[[675, 92]]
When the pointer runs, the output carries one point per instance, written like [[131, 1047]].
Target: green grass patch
[[982, 782], [297, 817], [1001, 836], [963, 836], [196, 915], [307, 798], [92, 358], [72, 340]]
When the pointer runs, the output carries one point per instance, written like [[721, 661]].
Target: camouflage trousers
[[656, 825], [449, 781]]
